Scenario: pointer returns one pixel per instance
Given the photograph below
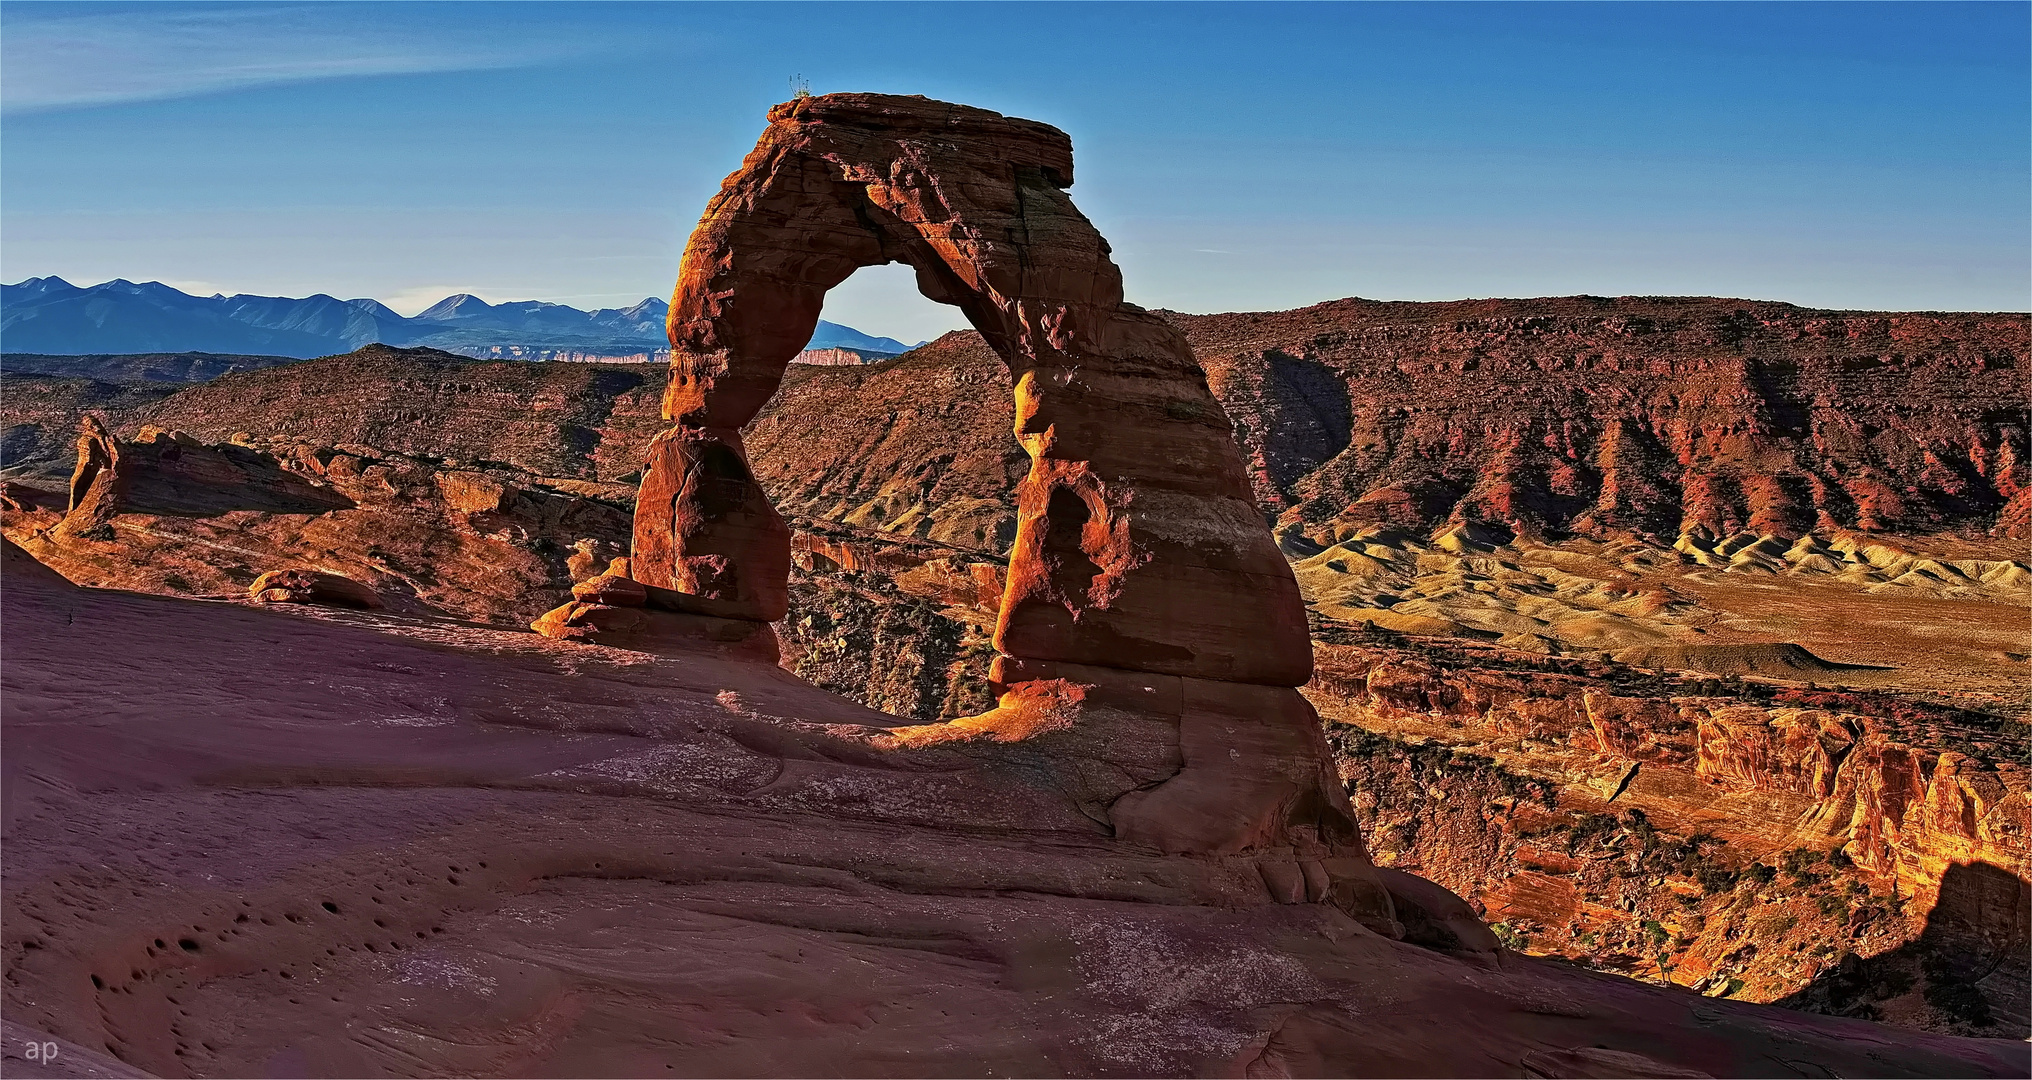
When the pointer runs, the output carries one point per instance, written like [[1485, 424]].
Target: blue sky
[[1237, 156]]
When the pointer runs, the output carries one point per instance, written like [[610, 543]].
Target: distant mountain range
[[50, 315]]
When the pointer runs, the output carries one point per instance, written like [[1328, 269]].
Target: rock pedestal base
[[1186, 766], [614, 609]]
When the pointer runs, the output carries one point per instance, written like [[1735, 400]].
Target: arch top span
[[1168, 568], [972, 200]]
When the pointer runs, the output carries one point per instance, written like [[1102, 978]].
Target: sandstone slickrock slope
[[359, 843]]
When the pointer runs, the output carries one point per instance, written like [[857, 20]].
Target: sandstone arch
[[1111, 405], [1151, 633]]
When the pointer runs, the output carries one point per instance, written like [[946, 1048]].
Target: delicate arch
[[1150, 633], [1111, 404]]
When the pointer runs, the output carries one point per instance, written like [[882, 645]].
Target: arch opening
[[884, 301]]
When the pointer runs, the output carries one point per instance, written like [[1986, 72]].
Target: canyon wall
[[1743, 839], [1649, 414]]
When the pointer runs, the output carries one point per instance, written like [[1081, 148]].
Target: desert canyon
[[1564, 687]]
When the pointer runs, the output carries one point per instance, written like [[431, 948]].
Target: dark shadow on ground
[[1966, 973]]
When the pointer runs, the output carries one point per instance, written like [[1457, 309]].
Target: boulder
[[299, 586], [660, 632], [1434, 917], [614, 588], [474, 492]]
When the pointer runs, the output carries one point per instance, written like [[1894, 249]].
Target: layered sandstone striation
[[839, 357], [1937, 617], [1559, 414]]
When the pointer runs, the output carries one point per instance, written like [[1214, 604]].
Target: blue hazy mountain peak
[[831, 335], [460, 306], [39, 286]]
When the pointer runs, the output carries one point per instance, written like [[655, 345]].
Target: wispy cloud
[[74, 60]]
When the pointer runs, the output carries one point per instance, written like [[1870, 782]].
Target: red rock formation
[[300, 586], [167, 513], [15, 496], [1137, 546], [98, 483], [839, 357], [1151, 632], [1660, 412], [614, 588], [1648, 414], [579, 421], [706, 532]]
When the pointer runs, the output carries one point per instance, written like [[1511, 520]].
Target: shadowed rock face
[[1137, 544]]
